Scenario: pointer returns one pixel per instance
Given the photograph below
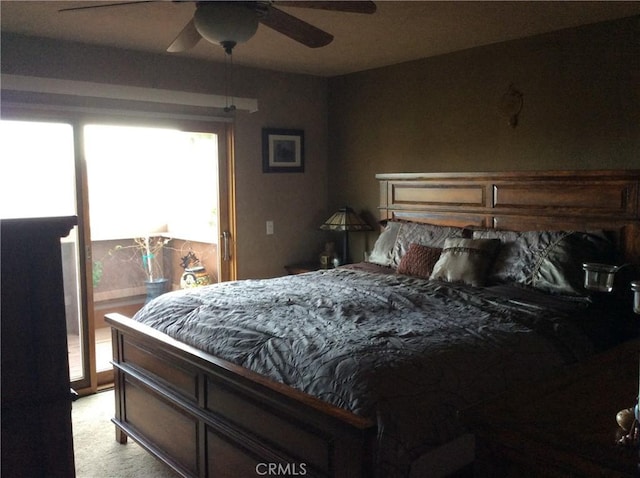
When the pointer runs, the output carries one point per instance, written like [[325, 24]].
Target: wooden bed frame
[[206, 417]]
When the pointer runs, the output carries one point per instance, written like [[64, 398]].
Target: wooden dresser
[[37, 439], [564, 427]]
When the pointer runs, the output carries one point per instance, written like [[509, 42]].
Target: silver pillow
[[430, 235], [465, 260], [382, 253], [550, 261]]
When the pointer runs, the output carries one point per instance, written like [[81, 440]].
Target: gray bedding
[[405, 351]]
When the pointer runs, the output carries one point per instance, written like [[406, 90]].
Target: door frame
[[227, 269]]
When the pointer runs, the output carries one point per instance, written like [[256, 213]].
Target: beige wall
[[296, 202], [581, 111]]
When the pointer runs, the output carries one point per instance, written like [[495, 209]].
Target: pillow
[[419, 261], [465, 260], [382, 253], [550, 261], [424, 234]]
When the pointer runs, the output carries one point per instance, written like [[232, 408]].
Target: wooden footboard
[[206, 417]]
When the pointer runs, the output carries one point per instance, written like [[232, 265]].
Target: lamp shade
[[345, 219], [225, 22]]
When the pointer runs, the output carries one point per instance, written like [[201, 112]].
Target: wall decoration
[[282, 150], [511, 104]]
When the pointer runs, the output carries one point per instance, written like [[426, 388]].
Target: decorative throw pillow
[[419, 261], [430, 235], [382, 253], [465, 260], [550, 261]]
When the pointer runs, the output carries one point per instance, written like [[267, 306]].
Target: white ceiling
[[399, 31]]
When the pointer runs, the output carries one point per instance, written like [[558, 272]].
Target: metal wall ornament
[[511, 104]]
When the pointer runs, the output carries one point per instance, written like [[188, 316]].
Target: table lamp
[[345, 220]]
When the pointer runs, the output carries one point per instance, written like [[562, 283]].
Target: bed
[[344, 375]]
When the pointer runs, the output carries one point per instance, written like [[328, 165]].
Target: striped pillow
[[419, 260]]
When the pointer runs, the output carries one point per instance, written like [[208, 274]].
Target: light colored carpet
[[98, 454]]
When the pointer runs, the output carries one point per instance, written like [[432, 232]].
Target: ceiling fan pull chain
[[228, 81]]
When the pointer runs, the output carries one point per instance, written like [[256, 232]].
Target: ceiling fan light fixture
[[225, 23]]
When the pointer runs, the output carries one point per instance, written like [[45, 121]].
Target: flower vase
[[155, 288]]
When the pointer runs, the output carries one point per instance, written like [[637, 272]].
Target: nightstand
[[302, 267], [562, 427]]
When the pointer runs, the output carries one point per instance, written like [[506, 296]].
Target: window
[[146, 180], [38, 169], [139, 180], [38, 180]]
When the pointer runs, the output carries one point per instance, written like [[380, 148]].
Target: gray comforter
[[406, 351]]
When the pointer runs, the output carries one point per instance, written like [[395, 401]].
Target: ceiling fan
[[228, 23]]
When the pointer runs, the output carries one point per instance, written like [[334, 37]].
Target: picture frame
[[282, 150]]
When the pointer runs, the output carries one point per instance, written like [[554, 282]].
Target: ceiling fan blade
[[295, 28], [118, 4], [186, 39], [338, 6]]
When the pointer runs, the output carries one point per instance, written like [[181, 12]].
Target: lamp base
[[345, 249]]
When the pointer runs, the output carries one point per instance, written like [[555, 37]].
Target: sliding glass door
[[38, 179], [153, 206], [152, 202]]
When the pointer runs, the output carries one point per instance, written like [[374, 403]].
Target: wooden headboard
[[521, 201]]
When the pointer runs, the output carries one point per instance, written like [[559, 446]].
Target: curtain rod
[[44, 108], [37, 84]]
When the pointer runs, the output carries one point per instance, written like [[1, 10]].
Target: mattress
[[404, 351]]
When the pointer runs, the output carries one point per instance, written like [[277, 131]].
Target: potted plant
[[148, 250]]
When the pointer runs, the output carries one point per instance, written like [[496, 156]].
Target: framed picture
[[282, 150]]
